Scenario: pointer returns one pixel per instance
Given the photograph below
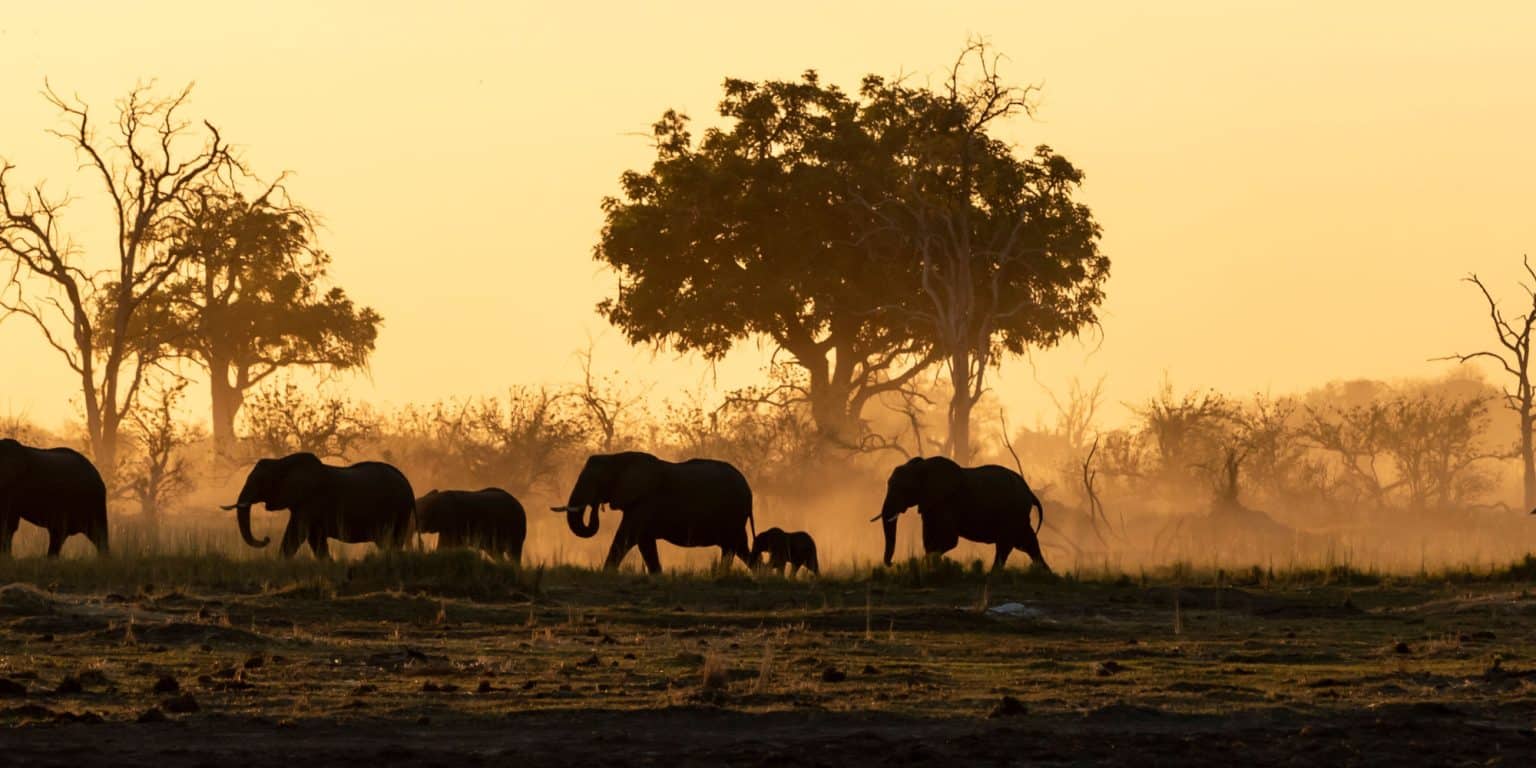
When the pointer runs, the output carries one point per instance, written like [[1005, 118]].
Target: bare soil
[[680, 671]]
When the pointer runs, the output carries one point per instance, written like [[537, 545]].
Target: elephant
[[793, 548], [368, 501], [989, 504], [490, 519], [694, 503], [57, 489]]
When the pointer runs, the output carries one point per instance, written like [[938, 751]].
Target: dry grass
[[456, 639]]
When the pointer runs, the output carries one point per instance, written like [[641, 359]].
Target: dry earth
[[575, 667]]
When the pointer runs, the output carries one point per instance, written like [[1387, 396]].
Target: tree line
[[890, 243], [209, 270]]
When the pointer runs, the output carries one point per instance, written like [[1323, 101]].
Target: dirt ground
[[583, 668]]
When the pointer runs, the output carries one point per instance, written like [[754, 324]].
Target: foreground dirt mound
[[17, 600], [616, 670], [1118, 735], [1251, 602]]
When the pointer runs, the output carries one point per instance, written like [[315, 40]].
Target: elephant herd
[[694, 503]]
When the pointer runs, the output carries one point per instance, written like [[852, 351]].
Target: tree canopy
[[755, 230], [1007, 258], [250, 299], [868, 236]]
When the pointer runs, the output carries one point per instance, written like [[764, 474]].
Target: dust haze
[[888, 287], [1312, 480], [1136, 385]]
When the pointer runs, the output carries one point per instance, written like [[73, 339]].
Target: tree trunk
[[1528, 453], [104, 448], [960, 405], [829, 409], [828, 393], [227, 400]]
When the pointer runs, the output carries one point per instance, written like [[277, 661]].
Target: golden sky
[[1289, 191]]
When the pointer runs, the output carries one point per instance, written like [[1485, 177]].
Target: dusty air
[[962, 384]]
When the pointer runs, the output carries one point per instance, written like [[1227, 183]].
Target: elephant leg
[[400, 534], [320, 545], [8, 526], [56, 539], [1001, 558], [938, 539], [98, 538], [293, 538], [649, 554], [1031, 547], [622, 543], [744, 554]]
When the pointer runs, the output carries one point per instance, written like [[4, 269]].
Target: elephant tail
[[751, 523], [1041, 507]]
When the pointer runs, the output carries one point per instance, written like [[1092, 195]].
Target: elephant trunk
[[250, 493], [888, 514], [243, 517], [98, 536], [585, 529]]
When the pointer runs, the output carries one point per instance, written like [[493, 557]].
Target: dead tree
[[1006, 259], [604, 402], [156, 473], [1095, 506], [1514, 356], [282, 418], [1075, 417], [94, 318]]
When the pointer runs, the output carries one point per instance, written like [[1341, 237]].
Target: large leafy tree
[[251, 298], [868, 236], [755, 229]]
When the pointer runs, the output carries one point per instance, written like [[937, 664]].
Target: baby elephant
[[491, 520], [797, 549]]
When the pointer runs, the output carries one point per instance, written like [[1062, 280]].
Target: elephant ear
[[11, 457], [636, 480], [945, 481], [302, 477]]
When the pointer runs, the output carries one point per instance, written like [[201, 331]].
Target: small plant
[[764, 671], [714, 674]]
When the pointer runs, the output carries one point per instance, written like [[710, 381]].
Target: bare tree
[[1075, 417], [282, 419], [1091, 495], [1418, 450], [156, 474], [19, 428], [1007, 258], [522, 442], [1189, 440], [93, 319], [605, 402], [1514, 355]]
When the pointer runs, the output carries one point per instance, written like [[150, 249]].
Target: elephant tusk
[[563, 510], [877, 517], [229, 507]]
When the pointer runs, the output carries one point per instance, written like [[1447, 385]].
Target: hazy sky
[[1289, 191]]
